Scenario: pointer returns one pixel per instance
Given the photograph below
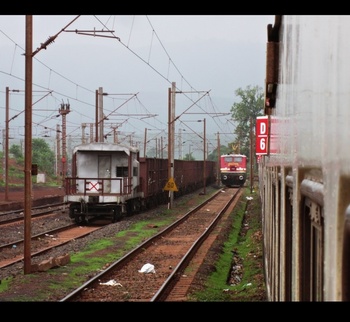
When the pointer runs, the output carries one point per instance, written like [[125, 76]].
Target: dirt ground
[[15, 196], [40, 282]]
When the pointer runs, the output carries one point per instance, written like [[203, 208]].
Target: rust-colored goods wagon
[[153, 178], [111, 180]]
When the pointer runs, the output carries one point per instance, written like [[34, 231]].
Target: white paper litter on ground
[[111, 283], [147, 268]]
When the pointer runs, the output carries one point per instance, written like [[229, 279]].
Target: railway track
[[44, 242], [154, 271], [18, 216]]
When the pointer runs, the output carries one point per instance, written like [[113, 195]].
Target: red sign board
[[262, 128]]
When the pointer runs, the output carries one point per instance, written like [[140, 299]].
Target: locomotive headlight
[[240, 177], [224, 177]]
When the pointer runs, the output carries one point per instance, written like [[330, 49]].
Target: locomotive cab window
[[233, 159], [122, 171]]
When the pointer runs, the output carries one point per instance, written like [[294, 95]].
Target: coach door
[[104, 172]]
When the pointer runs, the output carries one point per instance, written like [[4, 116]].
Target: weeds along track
[[13, 252], [151, 271]]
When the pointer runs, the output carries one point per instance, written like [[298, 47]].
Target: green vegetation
[[17, 153], [241, 241], [42, 156], [90, 260], [244, 243], [189, 157], [245, 113]]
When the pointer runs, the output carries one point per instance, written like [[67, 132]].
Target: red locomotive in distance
[[233, 169]]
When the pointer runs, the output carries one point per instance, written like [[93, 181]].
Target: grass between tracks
[[95, 257], [242, 242], [238, 272], [54, 284]]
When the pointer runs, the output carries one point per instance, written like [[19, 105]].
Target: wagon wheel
[[117, 215], [80, 219]]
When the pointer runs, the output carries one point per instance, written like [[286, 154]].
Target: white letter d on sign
[[262, 139]]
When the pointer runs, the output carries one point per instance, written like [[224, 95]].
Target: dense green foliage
[[43, 156], [17, 153], [245, 113]]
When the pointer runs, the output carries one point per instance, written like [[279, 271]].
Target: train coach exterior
[[305, 177], [111, 180], [104, 177], [189, 176], [233, 170], [193, 174]]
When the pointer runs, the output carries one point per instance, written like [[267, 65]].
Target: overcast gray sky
[[135, 60]]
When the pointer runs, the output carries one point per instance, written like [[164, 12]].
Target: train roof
[[104, 146], [233, 154]]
